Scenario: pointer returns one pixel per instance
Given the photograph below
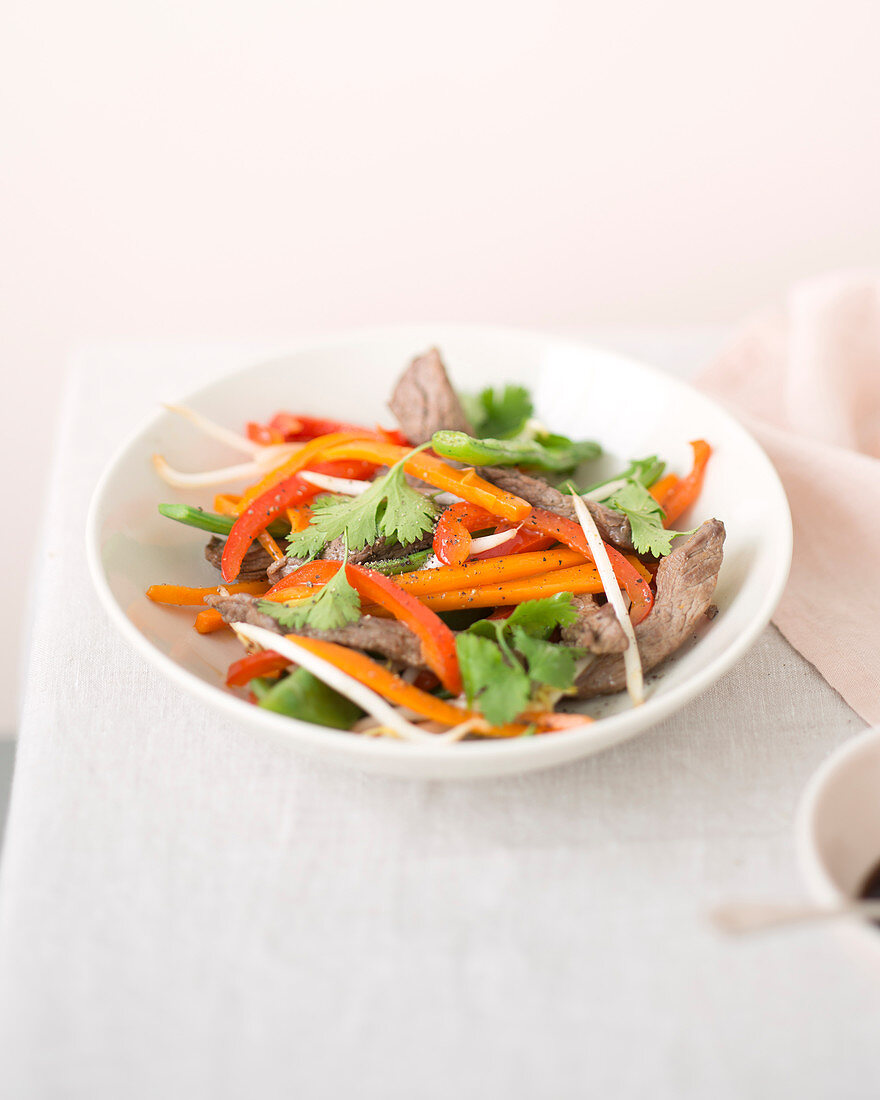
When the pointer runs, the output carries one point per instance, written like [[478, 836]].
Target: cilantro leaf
[[389, 507], [499, 689], [498, 414], [645, 471], [548, 663], [408, 513], [334, 605], [540, 617], [505, 661], [645, 516]]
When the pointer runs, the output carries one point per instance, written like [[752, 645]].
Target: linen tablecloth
[[189, 911]]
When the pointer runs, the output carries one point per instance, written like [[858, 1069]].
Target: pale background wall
[[255, 170]]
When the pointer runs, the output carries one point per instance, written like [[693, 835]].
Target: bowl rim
[[531, 751]]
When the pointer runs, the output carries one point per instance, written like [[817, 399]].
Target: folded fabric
[[806, 381]]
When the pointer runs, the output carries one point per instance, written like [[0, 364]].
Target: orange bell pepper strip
[[568, 531], [209, 621], [247, 668], [298, 517], [452, 535], [466, 484], [580, 578], [683, 495], [438, 641], [304, 457], [179, 595], [662, 488]]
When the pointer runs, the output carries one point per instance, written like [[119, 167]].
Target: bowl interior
[[633, 410]]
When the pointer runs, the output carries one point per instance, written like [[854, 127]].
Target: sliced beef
[[387, 637], [253, 568], [685, 583], [335, 551], [596, 627], [613, 527], [424, 400]]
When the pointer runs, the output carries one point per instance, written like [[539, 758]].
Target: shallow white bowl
[[631, 408], [838, 824]]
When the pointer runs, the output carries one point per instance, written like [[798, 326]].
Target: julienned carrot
[[182, 596], [209, 620], [391, 687], [385, 683], [463, 483], [582, 578], [513, 567], [444, 578], [683, 495]]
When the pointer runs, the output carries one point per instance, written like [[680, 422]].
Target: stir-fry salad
[[457, 576]]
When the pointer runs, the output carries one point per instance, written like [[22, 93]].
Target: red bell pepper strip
[[257, 517], [263, 434], [452, 536], [523, 542], [683, 495], [569, 532], [248, 668], [438, 641], [300, 429]]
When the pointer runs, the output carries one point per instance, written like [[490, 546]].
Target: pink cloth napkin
[[806, 381]]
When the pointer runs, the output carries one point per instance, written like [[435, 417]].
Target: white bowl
[[631, 408], [838, 824]]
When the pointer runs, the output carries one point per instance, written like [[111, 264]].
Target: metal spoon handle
[[747, 916]]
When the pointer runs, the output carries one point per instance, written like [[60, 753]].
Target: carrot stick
[[444, 578], [391, 687], [466, 484], [181, 596], [511, 567], [582, 578], [208, 621], [385, 683]]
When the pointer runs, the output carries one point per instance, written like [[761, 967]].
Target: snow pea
[[302, 695], [544, 451]]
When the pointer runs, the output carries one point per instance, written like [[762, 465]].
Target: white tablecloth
[[187, 911]]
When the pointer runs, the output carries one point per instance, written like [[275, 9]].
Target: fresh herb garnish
[[333, 606], [498, 414], [628, 493], [389, 508], [503, 661]]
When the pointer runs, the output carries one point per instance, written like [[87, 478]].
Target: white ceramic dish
[[632, 409], [838, 825]]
